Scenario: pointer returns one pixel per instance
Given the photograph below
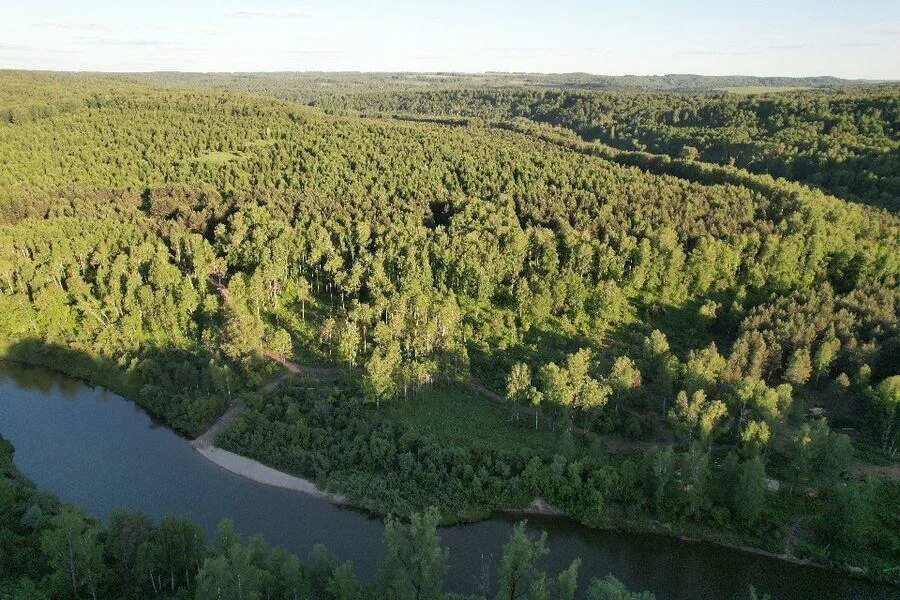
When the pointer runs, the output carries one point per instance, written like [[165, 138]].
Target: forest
[[659, 311], [845, 142]]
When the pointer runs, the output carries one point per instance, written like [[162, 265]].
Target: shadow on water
[[185, 389], [97, 450]]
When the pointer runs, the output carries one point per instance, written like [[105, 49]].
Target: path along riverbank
[[256, 471], [260, 473]]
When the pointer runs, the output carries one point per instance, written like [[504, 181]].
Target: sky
[[843, 38]]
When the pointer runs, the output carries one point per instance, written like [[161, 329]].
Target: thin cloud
[[267, 14], [859, 45], [184, 50], [184, 30], [527, 52], [713, 53], [143, 43], [892, 31], [434, 57], [315, 52], [787, 46], [75, 26]]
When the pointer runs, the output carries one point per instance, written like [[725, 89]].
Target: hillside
[[663, 335]]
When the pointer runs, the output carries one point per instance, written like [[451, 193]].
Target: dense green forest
[[506, 309], [844, 141]]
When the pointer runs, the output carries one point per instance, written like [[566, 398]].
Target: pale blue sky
[[845, 38]]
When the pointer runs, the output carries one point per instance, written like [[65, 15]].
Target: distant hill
[[347, 81]]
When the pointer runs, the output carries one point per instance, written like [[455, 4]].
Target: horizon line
[[438, 72]]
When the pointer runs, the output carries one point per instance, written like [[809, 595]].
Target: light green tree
[[610, 588], [520, 575], [382, 371], [750, 493], [75, 554], [696, 416], [415, 563], [344, 584], [518, 386], [281, 344], [887, 412], [799, 367]]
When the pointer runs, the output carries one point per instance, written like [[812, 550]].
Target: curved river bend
[[99, 451]]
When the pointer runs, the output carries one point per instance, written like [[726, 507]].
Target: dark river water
[[96, 450]]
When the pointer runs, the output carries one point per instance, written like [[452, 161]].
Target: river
[[99, 451]]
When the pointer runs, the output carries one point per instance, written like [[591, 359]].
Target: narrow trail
[[208, 437], [275, 382], [320, 373], [613, 443], [251, 469], [860, 470], [792, 537]]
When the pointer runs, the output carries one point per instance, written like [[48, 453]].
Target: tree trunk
[[72, 566]]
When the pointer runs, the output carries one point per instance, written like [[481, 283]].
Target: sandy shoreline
[[260, 473]]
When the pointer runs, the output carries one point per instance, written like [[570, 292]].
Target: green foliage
[[887, 410], [817, 454], [747, 489], [327, 435], [415, 562], [75, 557], [521, 575], [696, 416], [843, 141], [610, 588], [166, 242]]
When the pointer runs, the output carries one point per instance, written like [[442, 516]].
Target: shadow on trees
[[684, 325], [186, 389], [539, 346]]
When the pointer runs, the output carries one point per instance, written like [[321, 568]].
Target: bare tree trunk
[[72, 565]]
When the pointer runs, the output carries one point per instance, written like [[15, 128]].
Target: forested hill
[[165, 241], [305, 86], [845, 142], [836, 134]]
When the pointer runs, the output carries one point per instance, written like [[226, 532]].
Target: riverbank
[[539, 507], [251, 469], [258, 472]]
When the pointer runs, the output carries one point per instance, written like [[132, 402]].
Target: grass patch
[[217, 158], [459, 416]]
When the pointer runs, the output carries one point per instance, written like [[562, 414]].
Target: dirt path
[[204, 444], [860, 470], [539, 506], [792, 537], [208, 437], [254, 470], [320, 373]]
